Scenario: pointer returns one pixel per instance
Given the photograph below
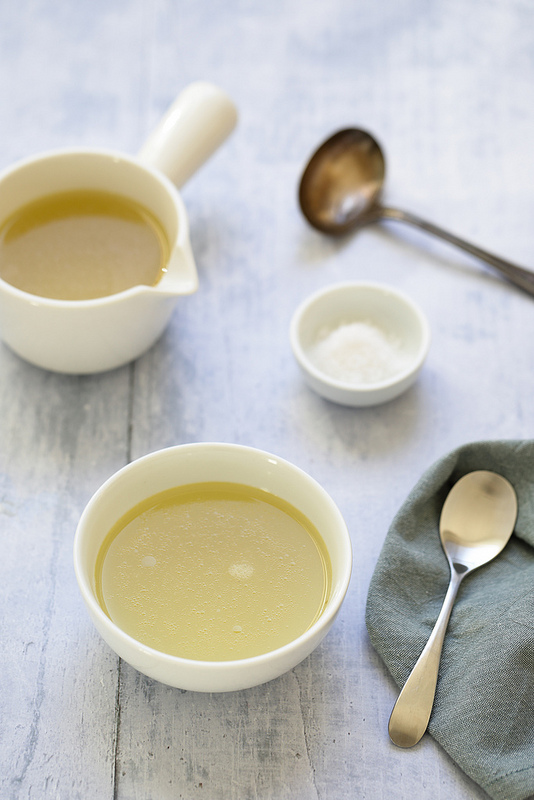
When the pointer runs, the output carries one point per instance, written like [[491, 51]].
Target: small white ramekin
[[388, 309]]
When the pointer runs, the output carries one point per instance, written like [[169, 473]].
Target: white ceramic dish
[[85, 336], [193, 463], [395, 316]]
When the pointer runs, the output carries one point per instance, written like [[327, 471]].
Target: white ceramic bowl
[[379, 332], [192, 463]]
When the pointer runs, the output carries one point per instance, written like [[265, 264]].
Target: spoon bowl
[[340, 191], [477, 520]]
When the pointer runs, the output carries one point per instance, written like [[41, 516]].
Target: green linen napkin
[[483, 714]]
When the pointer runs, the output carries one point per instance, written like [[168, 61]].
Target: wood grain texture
[[448, 88]]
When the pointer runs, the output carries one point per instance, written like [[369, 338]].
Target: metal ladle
[[476, 521], [340, 188]]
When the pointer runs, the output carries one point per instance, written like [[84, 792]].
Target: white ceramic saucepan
[[86, 336]]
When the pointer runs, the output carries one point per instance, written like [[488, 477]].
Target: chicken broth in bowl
[[212, 567], [213, 572]]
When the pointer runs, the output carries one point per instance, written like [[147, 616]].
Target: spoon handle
[[523, 278], [411, 712]]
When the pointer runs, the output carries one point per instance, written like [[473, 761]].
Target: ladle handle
[[521, 277], [411, 713], [191, 130]]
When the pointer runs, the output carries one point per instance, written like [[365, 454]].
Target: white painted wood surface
[[448, 87]]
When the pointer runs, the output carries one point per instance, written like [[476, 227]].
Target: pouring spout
[[193, 128], [180, 276]]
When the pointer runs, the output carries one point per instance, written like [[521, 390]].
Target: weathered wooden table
[[448, 87]]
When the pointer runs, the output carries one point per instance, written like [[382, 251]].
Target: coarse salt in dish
[[358, 353]]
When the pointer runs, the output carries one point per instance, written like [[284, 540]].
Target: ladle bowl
[[340, 192]]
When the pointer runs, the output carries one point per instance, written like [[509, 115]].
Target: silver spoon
[[477, 520], [340, 188]]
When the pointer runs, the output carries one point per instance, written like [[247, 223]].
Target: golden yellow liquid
[[213, 572], [81, 245]]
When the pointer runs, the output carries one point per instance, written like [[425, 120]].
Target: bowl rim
[[397, 296], [324, 621]]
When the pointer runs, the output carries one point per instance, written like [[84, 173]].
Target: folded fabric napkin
[[483, 713]]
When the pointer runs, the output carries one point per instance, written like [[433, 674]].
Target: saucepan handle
[[195, 125]]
